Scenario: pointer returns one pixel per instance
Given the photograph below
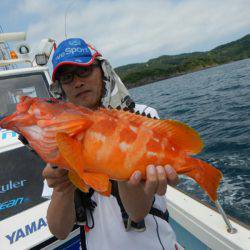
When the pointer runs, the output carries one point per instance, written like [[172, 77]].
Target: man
[[82, 76]]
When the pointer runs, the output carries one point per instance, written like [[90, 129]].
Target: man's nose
[[78, 82]]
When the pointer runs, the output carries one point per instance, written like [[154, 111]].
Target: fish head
[[40, 119], [31, 111]]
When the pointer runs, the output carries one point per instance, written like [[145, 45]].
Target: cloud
[[133, 30]]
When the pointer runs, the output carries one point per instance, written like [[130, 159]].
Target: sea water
[[216, 103]]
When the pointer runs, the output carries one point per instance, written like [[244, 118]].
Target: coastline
[[156, 79], [168, 66]]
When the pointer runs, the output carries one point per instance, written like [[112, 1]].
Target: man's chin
[[85, 103]]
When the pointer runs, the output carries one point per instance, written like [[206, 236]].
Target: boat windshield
[[21, 181], [14, 86]]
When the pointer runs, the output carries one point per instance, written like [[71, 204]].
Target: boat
[[23, 210]]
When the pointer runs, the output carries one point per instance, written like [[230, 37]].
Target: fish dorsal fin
[[71, 150], [126, 115], [110, 112], [179, 134]]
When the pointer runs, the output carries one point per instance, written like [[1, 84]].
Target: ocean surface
[[216, 103]]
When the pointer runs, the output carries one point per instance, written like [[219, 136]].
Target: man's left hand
[[137, 195], [157, 179]]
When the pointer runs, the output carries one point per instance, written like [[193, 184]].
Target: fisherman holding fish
[[107, 183], [82, 76], [100, 173]]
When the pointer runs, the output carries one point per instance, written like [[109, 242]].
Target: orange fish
[[96, 146]]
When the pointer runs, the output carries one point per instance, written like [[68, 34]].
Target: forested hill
[[168, 66]]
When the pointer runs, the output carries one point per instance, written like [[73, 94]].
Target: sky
[[130, 31]]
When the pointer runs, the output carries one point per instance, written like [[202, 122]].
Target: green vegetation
[[169, 66]]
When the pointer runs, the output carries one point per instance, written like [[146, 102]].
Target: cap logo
[[75, 43], [71, 51]]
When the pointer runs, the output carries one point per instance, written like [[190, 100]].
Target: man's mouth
[[82, 93]]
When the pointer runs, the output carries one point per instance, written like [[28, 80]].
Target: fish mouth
[[2, 116], [82, 92]]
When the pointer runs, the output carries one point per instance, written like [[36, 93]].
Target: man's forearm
[[61, 214], [136, 203]]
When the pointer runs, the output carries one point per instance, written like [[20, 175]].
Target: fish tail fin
[[207, 176]]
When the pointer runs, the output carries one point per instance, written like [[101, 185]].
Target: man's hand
[[57, 178], [157, 179], [137, 195], [61, 212]]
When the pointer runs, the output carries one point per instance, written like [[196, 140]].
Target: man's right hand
[[61, 211], [57, 178]]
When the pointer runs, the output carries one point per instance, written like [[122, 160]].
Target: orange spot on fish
[[127, 135]]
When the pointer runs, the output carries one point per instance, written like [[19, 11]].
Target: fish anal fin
[[99, 182], [108, 192], [77, 181], [71, 150]]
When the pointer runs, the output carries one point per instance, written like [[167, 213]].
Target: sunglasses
[[82, 72]]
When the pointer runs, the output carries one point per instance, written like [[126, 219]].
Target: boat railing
[[230, 228], [22, 54]]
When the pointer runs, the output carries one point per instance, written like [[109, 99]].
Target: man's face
[[82, 85]]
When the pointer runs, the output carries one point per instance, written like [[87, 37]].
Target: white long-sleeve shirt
[[109, 232]]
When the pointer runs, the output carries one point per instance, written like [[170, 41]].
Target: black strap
[[84, 205], [156, 212], [83, 238], [138, 226]]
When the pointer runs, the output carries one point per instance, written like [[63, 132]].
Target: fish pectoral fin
[[77, 181], [99, 182], [71, 151]]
